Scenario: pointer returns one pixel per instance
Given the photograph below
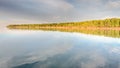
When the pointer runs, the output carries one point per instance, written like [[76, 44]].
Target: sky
[[52, 11]]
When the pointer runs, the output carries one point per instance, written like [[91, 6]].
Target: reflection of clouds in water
[[115, 50], [96, 60], [31, 48], [92, 59], [4, 62], [59, 50], [84, 54], [41, 55]]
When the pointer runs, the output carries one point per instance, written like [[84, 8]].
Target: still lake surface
[[54, 49]]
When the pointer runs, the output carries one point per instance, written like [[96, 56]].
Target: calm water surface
[[49, 49]]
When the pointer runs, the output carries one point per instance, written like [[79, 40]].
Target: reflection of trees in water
[[95, 31], [108, 33], [106, 27]]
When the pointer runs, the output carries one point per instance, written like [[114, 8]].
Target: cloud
[[57, 10], [48, 10], [113, 5], [58, 4], [36, 9]]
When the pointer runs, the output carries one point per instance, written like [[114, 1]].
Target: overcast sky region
[[47, 11]]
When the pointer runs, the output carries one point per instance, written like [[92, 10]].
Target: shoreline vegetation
[[107, 27]]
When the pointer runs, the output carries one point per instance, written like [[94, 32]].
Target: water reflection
[[97, 31], [39, 49]]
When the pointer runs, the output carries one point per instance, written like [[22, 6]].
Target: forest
[[106, 23], [106, 27]]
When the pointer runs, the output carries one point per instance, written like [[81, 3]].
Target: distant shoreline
[[106, 24], [106, 27], [73, 28]]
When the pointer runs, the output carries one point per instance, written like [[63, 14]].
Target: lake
[[55, 49]]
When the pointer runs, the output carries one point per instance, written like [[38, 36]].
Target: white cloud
[[113, 4], [58, 4]]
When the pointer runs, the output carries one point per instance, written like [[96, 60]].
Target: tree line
[[112, 22]]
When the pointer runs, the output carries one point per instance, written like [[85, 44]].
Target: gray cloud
[[37, 9], [58, 10]]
